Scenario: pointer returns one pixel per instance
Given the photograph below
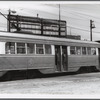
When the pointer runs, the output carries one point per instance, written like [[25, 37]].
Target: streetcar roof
[[9, 36]]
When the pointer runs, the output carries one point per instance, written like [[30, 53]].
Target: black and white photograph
[[50, 49]]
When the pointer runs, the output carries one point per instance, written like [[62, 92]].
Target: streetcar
[[35, 46], [47, 55]]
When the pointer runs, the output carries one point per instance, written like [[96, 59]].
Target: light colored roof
[[62, 41]]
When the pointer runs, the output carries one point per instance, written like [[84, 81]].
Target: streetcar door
[[99, 56], [64, 58], [58, 58]]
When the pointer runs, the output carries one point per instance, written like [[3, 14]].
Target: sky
[[76, 14]]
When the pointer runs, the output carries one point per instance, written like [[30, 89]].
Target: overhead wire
[[63, 16], [81, 14], [82, 29], [75, 12]]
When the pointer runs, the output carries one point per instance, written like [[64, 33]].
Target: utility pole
[[91, 27], [9, 20], [59, 21]]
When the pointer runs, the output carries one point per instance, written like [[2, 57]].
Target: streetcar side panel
[[20, 62], [82, 57], [76, 62], [25, 58]]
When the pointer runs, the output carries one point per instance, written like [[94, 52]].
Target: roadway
[[79, 84]]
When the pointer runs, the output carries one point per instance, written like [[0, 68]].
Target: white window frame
[[52, 49]]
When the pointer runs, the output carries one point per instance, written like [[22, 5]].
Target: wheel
[[8, 76]]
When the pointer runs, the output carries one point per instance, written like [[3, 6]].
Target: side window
[[88, 50], [10, 48], [30, 48], [39, 49], [78, 50], [47, 49], [93, 51], [21, 48], [84, 50], [72, 50]]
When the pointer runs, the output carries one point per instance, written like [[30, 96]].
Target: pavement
[[80, 85]]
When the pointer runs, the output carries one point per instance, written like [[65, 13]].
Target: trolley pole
[[91, 27]]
